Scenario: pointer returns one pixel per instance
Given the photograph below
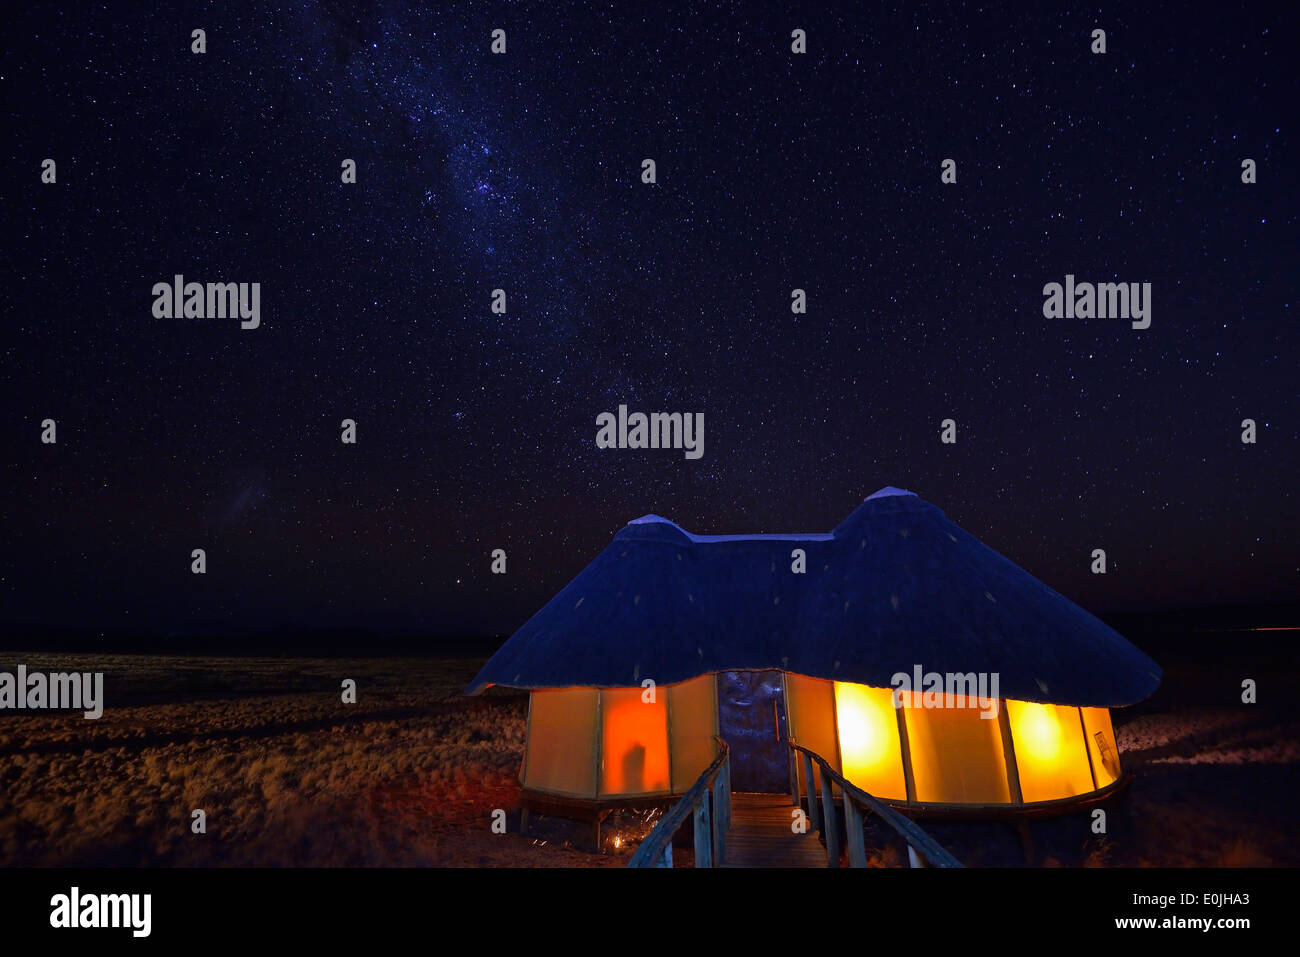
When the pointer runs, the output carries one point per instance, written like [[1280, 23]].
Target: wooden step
[[760, 834]]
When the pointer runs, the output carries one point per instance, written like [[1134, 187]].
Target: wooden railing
[[708, 803], [922, 849]]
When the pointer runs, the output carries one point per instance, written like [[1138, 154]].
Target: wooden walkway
[[760, 834]]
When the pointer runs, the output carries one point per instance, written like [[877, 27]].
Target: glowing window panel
[[957, 754], [870, 753], [1050, 752], [634, 743]]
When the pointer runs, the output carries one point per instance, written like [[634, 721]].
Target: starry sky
[[522, 171]]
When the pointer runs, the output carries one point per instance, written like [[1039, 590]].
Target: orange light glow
[[1100, 738], [634, 743], [562, 742], [870, 754], [1051, 755], [956, 753], [1037, 732]]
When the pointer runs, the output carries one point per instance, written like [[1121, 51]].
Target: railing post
[[853, 833], [707, 804], [726, 776], [830, 831], [719, 823], [703, 833], [915, 859], [814, 812]]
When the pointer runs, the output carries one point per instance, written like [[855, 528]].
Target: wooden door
[[751, 719]]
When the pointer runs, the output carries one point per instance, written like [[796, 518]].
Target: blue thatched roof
[[895, 585]]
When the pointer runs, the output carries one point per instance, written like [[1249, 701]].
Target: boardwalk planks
[[761, 835]]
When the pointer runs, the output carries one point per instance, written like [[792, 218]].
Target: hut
[[668, 639]]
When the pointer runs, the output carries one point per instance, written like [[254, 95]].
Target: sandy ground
[[285, 772], [411, 775]]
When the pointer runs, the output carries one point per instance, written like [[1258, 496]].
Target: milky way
[[522, 172]]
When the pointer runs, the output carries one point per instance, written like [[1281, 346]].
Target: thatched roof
[[895, 585]]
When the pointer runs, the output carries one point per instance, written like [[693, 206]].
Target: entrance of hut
[[751, 719]]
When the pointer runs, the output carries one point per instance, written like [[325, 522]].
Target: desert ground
[[410, 775]]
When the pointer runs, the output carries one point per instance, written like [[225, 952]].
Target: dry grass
[[286, 773], [410, 776]]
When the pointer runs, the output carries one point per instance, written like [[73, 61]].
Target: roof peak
[[887, 491], [650, 519]]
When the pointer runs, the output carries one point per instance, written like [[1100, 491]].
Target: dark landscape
[[411, 774]]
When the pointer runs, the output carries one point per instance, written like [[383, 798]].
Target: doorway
[[751, 719]]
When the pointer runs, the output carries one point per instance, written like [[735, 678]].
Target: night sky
[[522, 171]]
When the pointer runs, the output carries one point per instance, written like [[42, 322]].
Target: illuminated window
[[870, 754], [634, 743], [1051, 755], [957, 755]]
